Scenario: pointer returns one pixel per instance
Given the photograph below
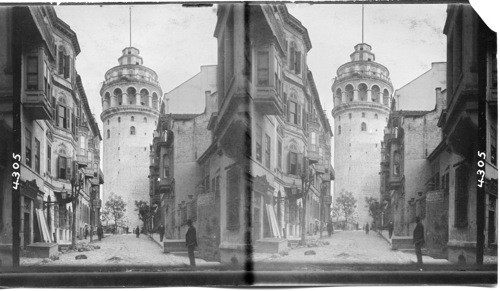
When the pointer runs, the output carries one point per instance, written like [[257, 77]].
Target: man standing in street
[[391, 229], [86, 231], [191, 242], [99, 232], [329, 228], [161, 231], [137, 232], [367, 228], [418, 241]]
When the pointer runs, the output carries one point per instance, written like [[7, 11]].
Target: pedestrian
[[329, 228], [418, 240], [137, 232], [161, 231], [391, 229], [191, 242], [127, 229], [367, 228], [316, 227], [357, 225], [86, 231], [99, 232]]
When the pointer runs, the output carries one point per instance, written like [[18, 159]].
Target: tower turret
[[130, 97], [361, 92]]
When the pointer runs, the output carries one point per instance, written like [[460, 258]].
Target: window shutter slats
[[298, 115], [61, 63], [66, 67], [68, 168], [288, 163], [57, 114]]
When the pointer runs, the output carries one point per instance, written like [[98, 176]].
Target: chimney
[[440, 100]]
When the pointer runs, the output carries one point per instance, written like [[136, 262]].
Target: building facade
[[59, 136], [471, 82], [179, 140], [269, 129], [406, 175], [362, 91], [130, 98]]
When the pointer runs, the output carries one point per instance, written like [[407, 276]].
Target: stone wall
[[208, 229], [436, 223]]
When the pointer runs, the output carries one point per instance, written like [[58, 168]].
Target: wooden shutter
[[66, 67], [300, 161], [297, 62], [288, 112], [68, 118], [299, 114], [304, 119], [61, 63], [285, 102], [57, 114], [68, 168], [288, 169], [54, 109], [292, 58]]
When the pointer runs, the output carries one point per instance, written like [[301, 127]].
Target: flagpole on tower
[[130, 22], [363, 23]]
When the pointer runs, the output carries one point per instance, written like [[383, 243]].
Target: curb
[[385, 238], [157, 242]]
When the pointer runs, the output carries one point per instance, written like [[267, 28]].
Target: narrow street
[[349, 247], [119, 250]]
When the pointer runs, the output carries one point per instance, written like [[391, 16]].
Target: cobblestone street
[[119, 250], [350, 247]]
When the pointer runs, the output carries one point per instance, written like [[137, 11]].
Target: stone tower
[[361, 93], [130, 99]]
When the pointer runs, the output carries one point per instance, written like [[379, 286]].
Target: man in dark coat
[[99, 232], [329, 228], [367, 228], [86, 231], [137, 232], [161, 231], [391, 229], [191, 242], [418, 240]]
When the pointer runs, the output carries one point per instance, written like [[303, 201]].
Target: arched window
[[155, 101], [362, 92], [340, 130], [107, 100], [145, 120], [386, 97], [144, 97], [132, 118], [108, 133], [132, 130], [350, 115], [339, 117], [131, 95], [376, 116], [118, 95], [349, 93], [363, 126], [119, 119], [108, 121], [362, 114], [376, 94]]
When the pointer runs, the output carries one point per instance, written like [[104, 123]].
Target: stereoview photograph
[[247, 144]]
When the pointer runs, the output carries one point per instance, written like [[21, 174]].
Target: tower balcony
[[268, 101], [37, 104], [166, 185]]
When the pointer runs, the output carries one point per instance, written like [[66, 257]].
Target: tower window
[[363, 126], [350, 115], [132, 118], [132, 130], [119, 119], [376, 116], [339, 117], [145, 120], [362, 114], [108, 133], [340, 130], [108, 121]]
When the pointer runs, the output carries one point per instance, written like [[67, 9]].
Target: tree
[[374, 208], [336, 212], [115, 209], [143, 210], [346, 204]]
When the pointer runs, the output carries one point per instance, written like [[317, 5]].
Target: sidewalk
[[156, 238]]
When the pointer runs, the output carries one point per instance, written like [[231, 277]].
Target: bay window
[[263, 68], [27, 140]]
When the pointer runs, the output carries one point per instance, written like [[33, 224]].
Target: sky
[[175, 41]]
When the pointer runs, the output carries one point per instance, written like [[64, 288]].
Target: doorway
[[491, 228], [26, 229]]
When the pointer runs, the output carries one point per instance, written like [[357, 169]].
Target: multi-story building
[[59, 136], [179, 140], [471, 88], [406, 174], [130, 102], [269, 129], [361, 93]]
